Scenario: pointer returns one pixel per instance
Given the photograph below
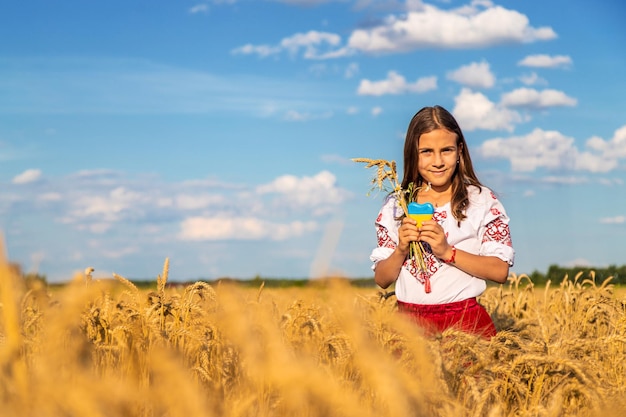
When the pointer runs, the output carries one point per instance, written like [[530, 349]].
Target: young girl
[[466, 243]]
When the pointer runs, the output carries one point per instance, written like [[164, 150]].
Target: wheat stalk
[[10, 325], [386, 171], [307, 351]]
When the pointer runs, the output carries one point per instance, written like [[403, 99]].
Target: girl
[[466, 243]]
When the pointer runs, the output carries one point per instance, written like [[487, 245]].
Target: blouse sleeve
[[386, 230], [494, 232]]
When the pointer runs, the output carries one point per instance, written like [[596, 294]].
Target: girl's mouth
[[438, 172]]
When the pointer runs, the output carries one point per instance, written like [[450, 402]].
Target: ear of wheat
[[386, 171]]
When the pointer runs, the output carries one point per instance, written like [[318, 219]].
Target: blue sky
[[219, 133]]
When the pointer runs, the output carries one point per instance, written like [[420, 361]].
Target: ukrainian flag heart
[[420, 212]]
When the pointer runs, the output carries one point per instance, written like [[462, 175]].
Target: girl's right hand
[[407, 233]]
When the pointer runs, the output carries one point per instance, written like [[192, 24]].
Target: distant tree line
[[556, 274]]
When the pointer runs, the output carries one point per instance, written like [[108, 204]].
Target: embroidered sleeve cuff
[[379, 254], [499, 250]]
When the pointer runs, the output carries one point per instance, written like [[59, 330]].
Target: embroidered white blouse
[[485, 231]]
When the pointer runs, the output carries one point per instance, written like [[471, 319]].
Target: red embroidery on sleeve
[[384, 241], [498, 231], [495, 211]]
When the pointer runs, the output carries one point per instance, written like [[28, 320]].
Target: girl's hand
[[407, 233], [432, 233]]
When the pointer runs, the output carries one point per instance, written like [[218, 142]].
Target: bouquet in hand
[[386, 172]]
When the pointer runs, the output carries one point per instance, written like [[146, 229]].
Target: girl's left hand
[[432, 233]]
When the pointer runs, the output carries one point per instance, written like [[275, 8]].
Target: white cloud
[[424, 26], [97, 228], [28, 176], [305, 2], [529, 97], [376, 111], [109, 207], [475, 111], [545, 149], [535, 150], [476, 74], [241, 228], [546, 61], [296, 116], [312, 44], [101, 201], [199, 8], [430, 27], [103, 176], [613, 220], [564, 180], [204, 8], [615, 147], [396, 84], [532, 79], [195, 202], [260, 50], [587, 161], [312, 193], [351, 70], [609, 182], [309, 42]]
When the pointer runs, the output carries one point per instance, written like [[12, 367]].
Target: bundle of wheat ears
[[386, 172]]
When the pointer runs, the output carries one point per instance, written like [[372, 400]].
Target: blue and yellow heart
[[420, 212]]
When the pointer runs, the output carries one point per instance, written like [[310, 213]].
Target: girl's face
[[437, 158]]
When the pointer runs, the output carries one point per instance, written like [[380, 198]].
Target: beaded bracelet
[[451, 260]]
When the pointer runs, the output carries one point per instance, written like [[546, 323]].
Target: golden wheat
[[107, 348]]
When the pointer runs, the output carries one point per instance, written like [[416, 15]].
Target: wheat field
[[106, 348]]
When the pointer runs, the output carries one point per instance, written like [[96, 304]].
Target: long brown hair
[[427, 120]]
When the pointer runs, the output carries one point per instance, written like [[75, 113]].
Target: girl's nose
[[438, 160]]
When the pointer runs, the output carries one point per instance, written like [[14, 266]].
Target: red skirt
[[466, 315]]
